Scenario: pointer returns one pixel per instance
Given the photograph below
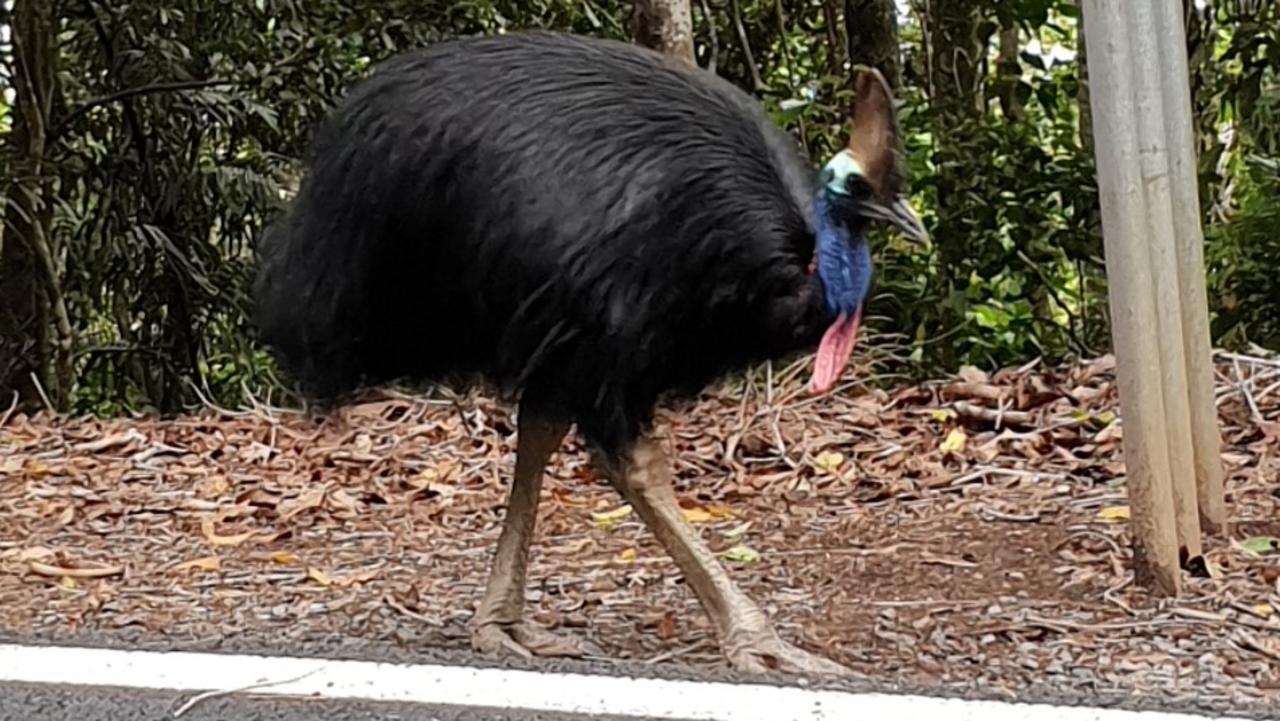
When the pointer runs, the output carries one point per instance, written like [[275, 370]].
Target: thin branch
[[121, 95], [714, 38], [736, 13]]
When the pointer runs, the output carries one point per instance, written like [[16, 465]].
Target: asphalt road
[[31, 702], [114, 680]]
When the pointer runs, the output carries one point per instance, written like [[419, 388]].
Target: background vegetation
[[145, 142]]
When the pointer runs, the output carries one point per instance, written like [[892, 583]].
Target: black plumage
[[586, 226], [582, 221]]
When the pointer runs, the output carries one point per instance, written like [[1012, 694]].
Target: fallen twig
[[45, 569], [227, 692]]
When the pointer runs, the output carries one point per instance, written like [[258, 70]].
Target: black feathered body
[[582, 222]]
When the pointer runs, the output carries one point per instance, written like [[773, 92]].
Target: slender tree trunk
[[872, 30], [1009, 71], [28, 262], [837, 44], [1083, 108], [958, 37], [665, 25]]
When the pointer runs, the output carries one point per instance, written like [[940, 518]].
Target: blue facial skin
[[844, 259]]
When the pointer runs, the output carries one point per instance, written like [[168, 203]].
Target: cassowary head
[[862, 183]]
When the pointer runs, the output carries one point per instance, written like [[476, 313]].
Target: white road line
[[511, 690]]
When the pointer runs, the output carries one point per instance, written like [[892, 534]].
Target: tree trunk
[[872, 30], [1009, 71], [28, 261], [1083, 108], [666, 26], [958, 34]]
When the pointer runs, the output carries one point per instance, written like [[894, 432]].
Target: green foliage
[[180, 124]]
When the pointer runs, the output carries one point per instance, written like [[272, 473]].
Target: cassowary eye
[[858, 187]]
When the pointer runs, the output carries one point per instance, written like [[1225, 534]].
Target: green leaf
[[1261, 545], [742, 554]]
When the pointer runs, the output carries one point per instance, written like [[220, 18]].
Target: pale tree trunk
[[666, 26], [872, 30], [28, 262]]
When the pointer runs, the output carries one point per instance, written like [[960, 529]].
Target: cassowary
[[587, 227]]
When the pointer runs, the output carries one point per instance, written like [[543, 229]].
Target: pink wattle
[[834, 351]]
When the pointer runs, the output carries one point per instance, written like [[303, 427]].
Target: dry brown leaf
[[284, 558], [34, 553], [667, 626], [343, 581], [344, 501], [696, 515], [208, 563], [213, 538], [567, 499], [311, 498]]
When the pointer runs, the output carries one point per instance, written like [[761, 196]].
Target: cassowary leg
[[499, 627], [643, 477]]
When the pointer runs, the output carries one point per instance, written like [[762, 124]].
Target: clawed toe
[[765, 652], [527, 640]]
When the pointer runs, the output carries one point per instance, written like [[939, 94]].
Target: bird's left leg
[[499, 626], [643, 476]]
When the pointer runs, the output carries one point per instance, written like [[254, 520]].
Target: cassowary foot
[[764, 652], [527, 640]]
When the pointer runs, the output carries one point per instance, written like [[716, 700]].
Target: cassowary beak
[[900, 215]]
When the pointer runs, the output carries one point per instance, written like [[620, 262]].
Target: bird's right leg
[[643, 476], [499, 626]]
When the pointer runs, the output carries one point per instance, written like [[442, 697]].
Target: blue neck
[[844, 262]]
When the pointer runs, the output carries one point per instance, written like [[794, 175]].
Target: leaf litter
[[967, 532]]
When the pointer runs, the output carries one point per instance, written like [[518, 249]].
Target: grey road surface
[[32, 702]]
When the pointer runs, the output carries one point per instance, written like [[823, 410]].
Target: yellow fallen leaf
[[742, 554], [325, 579], [68, 583], [954, 442], [208, 563], [284, 558], [430, 478], [942, 415], [627, 555], [696, 515], [424, 478], [1114, 514], [829, 461], [37, 468], [609, 519], [722, 512], [1264, 610]]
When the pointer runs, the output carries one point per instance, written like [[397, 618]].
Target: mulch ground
[[968, 532]]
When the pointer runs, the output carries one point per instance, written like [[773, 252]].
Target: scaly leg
[[499, 626], [643, 477]]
